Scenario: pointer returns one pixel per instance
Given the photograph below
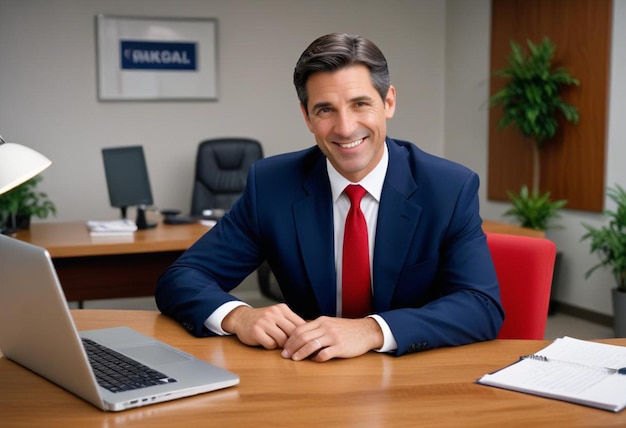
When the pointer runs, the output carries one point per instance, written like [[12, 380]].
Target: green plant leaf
[[609, 241], [530, 100], [534, 210], [26, 200]]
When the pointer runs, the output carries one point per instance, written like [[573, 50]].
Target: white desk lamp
[[19, 164]]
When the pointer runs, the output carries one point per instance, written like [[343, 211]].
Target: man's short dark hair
[[336, 51]]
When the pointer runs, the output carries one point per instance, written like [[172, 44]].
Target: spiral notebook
[[582, 372]]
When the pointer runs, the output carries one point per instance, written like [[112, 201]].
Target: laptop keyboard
[[117, 372]]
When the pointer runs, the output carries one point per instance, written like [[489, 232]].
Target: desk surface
[[511, 229], [71, 239], [432, 388]]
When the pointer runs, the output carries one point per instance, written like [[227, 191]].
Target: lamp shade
[[18, 164]]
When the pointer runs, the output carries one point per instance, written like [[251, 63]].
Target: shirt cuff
[[214, 321], [389, 342]]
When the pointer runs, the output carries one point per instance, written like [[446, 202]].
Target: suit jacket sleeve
[[270, 221], [199, 281], [433, 277]]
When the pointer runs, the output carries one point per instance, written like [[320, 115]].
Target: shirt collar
[[372, 182]]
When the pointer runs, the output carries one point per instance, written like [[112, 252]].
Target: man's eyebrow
[[361, 98], [320, 105], [325, 104]]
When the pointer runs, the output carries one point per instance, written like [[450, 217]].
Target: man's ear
[[390, 102], [305, 114]]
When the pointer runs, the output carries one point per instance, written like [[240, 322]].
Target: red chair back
[[524, 267]]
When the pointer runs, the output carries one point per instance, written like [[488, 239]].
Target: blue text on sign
[[150, 55]]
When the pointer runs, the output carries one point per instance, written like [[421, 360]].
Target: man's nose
[[345, 124]]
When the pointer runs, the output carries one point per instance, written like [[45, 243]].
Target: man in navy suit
[[432, 279]]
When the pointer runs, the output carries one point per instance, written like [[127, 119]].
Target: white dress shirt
[[373, 184]]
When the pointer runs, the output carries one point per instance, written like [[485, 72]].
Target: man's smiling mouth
[[351, 144]]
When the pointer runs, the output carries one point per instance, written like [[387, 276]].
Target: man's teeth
[[352, 144]]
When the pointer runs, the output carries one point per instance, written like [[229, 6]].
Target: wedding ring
[[319, 345]]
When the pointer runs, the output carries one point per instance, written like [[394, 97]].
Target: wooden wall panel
[[572, 165]]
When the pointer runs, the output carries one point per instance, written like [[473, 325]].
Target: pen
[[608, 370]]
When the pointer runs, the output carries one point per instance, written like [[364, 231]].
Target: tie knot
[[355, 192]]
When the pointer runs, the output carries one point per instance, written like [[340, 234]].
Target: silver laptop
[[37, 332]]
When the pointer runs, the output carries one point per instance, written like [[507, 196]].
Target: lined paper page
[[585, 352]]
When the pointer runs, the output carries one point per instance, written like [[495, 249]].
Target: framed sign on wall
[[156, 58]]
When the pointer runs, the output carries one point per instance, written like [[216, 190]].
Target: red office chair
[[524, 267]]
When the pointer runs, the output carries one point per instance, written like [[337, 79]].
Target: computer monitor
[[127, 180]]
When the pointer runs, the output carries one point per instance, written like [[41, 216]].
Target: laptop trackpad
[[155, 354]]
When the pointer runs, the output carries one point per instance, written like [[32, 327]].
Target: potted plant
[[533, 210], [18, 205], [531, 102], [609, 243]]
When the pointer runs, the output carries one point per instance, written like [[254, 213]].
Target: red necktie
[[355, 281]]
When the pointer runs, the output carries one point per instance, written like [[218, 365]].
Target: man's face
[[349, 119]]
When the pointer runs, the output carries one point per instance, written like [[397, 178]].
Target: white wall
[[466, 136], [48, 86], [438, 53]]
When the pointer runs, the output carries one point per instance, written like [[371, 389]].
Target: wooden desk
[[110, 267], [432, 388], [511, 229], [104, 268]]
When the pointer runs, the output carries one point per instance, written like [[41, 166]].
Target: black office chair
[[222, 166]]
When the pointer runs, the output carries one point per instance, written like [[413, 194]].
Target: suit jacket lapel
[[398, 216], [313, 217]]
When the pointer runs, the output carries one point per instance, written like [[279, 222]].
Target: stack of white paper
[[122, 227]]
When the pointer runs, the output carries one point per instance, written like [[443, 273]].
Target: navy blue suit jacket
[[433, 279]]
